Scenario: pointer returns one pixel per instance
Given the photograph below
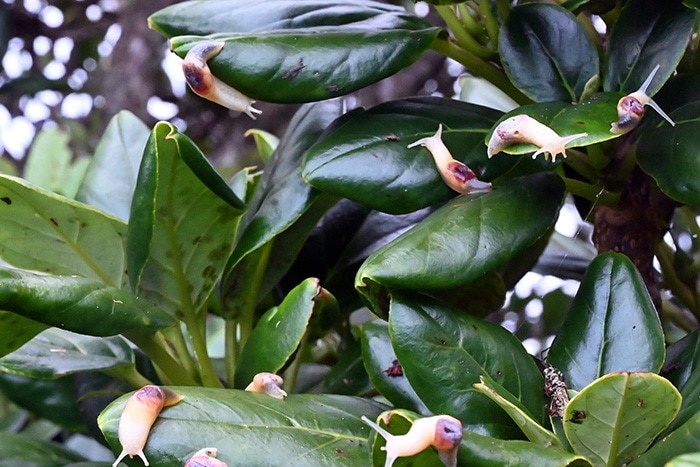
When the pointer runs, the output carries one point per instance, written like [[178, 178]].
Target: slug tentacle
[[630, 109], [138, 416], [267, 383], [525, 129], [443, 432], [454, 173], [203, 83]]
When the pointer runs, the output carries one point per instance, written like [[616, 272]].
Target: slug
[[443, 432], [205, 458], [525, 129], [454, 173], [268, 383], [204, 84], [139, 414], [630, 109]]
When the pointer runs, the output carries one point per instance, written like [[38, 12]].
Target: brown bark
[[635, 225]]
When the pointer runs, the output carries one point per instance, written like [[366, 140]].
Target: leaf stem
[[490, 21], [471, 25], [678, 316], [591, 192], [176, 340], [292, 373], [478, 67], [671, 279], [231, 356], [462, 35], [172, 370], [130, 375], [247, 316]]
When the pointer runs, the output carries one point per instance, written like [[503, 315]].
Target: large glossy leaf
[[255, 429], [534, 58], [45, 232], [111, 176], [55, 353], [306, 65], [669, 155], [183, 219], [49, 166], [647, 33], [532, 429], [612, 325], [383, 368], [593, 116], [26, 450], [616, 418], [282, 196], [77, 304], [16, 330], [202, 17], [685, 439], [54, 400], [365, 157], [466, 239], [279, 332], [283, 208], [444, 352]]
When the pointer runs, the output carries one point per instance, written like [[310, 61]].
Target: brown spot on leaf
[[391, 137], [578, 416], [6, 199], [53, 221], [294, 71], [394, 370]]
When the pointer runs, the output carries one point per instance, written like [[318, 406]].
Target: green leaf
[[55, 353], [54, 400], [45, 232], [685, 460], [381, 365], [487, 230], [593, 116], [443, 353], [684, 439], [480, 91], [306, 65], [16, 330], [612, 325], [282, 196], [483, 451], [280, 330], [49, 165], [200, 18], [534, 59], [111, 176], [692, 4], [26, 450], [669, 155], [183, 220], [534, 431], [255, 429], [283, 210], [616, 418], [348, 375], [265, 142], [682, 360], [647, 33], [77, 304], [400, 180]]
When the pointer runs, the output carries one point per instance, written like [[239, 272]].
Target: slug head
[[629, 113]]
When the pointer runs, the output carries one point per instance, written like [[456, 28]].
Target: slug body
[[200, 79], [630, 109], [267, 383], [205, 458], [454, 173], [525, 129], [138, 416], [442, 432]]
